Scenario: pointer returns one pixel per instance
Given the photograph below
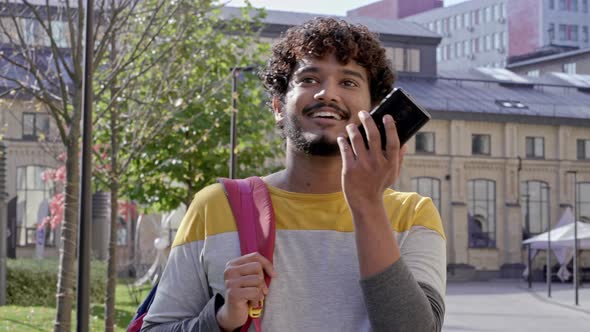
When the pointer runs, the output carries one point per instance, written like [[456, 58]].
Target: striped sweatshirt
[[318, 287]]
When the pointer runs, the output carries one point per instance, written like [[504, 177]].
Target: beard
[[319, 146]]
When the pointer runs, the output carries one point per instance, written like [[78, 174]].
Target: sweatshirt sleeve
[[205, 322], [409, 295], [397, 302]]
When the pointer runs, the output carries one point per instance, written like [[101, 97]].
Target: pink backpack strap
[[252, 208]]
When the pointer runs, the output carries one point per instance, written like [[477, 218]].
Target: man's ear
[[277, 109]]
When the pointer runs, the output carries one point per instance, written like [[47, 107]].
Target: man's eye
[[308, 80], [350, 83]]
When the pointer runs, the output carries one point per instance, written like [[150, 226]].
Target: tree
[[194, 148]]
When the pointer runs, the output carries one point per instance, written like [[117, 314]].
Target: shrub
[[32, 282]]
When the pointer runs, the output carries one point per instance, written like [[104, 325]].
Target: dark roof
[[469, 98], [549, 58], [380, 26]]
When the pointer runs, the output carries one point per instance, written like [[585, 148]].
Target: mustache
[[319, 105]]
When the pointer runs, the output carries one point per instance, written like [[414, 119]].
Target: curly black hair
[[322, 36]]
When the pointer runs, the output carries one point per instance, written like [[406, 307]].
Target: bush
[[32, 282]]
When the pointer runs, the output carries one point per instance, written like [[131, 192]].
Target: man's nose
[[328, 93]]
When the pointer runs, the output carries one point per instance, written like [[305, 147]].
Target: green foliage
[[32, 282], [193, 146]]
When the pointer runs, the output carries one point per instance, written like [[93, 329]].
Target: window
[[413, 60], [583, 201], [494, 41], [438, 54], [551, 31], [480, 144], [488, 42], [501, 42], [431, 26], [60, 33], [482, 16], [453, 23], [534, 203], [425, 142], [535, 147], [466, 50], [428, 187], [573, 29], [585, 34], [438, 26], [466, 19], [475, 14], [458, 49], [583, 149], [33, 195], [562, 5], [584, 6], [481, 217], [551, 4], [488, 14], [494, 12], [35, 126], [533, 73], [407, 60], [476, 46], [446, 25], [569, 68], [562, 32], [573, 5]]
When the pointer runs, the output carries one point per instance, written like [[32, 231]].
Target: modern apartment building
[[475, 33], [494, 156], [492, 33]]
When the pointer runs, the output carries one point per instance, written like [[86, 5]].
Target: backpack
[[252, 209]]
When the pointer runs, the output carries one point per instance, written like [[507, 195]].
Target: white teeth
[[326, 115]]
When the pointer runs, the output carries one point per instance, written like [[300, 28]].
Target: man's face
[[323, 97]]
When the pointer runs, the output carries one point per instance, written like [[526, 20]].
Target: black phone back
[[409, 117]]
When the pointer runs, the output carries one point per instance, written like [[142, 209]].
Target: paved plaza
[[508, 305]]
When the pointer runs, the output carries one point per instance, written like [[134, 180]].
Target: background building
[[571, 62], [475, 33], [394, 9]]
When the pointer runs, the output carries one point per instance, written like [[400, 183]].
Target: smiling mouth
[[326, 115]]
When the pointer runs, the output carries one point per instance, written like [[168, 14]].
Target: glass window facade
[[481, 217]]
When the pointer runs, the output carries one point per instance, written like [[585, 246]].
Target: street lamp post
[[527, 226], [234, 102], [576, 283], [83, 284], [546, 186]]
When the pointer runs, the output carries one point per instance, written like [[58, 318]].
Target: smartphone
[[408, 115]]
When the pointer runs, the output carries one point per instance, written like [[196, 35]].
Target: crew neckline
[[304, 196]]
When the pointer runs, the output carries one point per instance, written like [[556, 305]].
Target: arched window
[[534, 203], [481, 207], [583, 201], [33, 196], [429, 187]]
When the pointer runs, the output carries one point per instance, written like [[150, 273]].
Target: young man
[[350, 253]]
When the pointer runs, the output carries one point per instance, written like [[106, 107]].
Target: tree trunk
[[69, 235], [109, 322], [109, 310]]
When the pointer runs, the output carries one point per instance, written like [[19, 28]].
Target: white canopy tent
[[562, 237]]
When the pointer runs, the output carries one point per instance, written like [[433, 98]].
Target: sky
[[315, 6]]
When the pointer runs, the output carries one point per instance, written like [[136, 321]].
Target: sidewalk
[[508, 305]]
